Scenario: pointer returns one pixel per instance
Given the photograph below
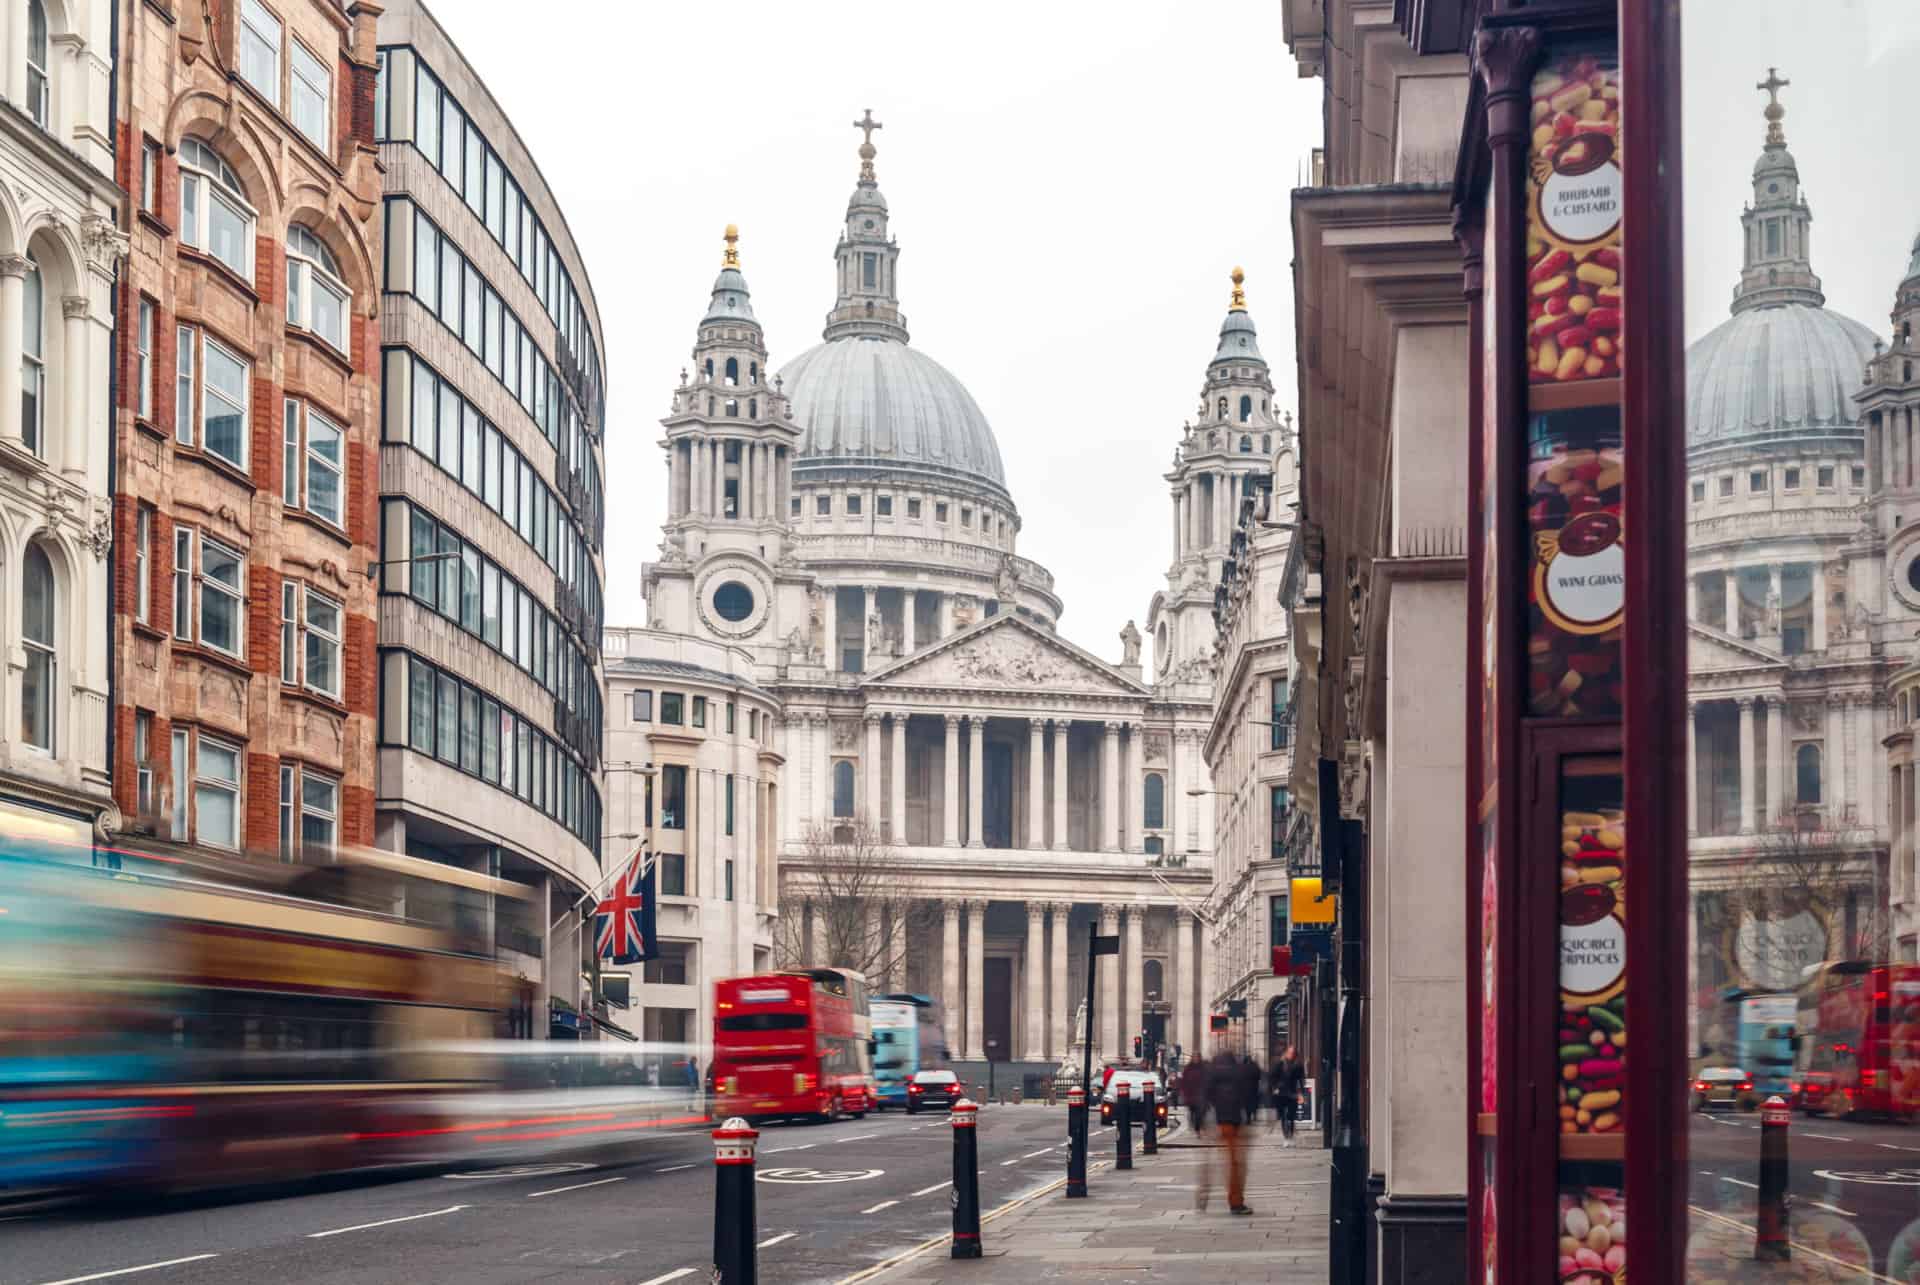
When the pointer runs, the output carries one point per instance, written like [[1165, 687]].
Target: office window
[[672, 707], [260, 49], [216, 794], [1277, 715], [642, 704], [823, 505], [1277, 805], [699, 711], [729, 793], [39, 95], [312, 91], [317, 298], [222, 595], [144, 373], [322, 628], [729, 718], [143, 564], [673, 797], [214, 214]]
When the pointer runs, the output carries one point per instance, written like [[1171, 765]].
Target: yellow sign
[[1309, 905]]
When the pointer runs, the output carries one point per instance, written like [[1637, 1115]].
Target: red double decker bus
[[1857, 1039], [791, 1044]]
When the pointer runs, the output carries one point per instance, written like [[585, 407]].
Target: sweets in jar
[[1574, 203]]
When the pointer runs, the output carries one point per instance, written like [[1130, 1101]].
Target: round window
[[734, 601], [1913, 574]]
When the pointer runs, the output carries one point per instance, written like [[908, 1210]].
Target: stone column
[[1036, 784], [1747, 808], [872, 806], [1133, 977], [950, 996], [976, 780], [1062, 1011], [1178, 518], [696, 466], [1733, 601], [829, 609], [1693, 597], [1692, 769], [898, 827], [13, 270], [1819, 642], [1834, 787], [1035, 1049], [1110, 789], [950, 775], [1177, 787], [1776, 756], [976, 977], [946, 614], [71, 454], [1060, 726], [719, 479], [1775, 572], [1186, 1029], [1133, 789], [909, 604], [1109, 1028]]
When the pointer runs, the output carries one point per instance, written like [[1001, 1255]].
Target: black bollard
[[733, 1243], [1076, 1141], [1150, 1131], [1770, 1218], [1122, 1116], [966, 1181]]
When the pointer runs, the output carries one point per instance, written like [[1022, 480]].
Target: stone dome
[[875, 403], [1784, 371]]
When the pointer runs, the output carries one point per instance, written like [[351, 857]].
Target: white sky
[[1070, 184]]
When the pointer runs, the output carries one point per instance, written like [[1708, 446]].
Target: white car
[[1136, 1082]]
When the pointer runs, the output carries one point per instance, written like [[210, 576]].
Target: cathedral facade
[[844, 529]]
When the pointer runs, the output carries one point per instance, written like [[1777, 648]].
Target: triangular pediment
[[1006, 653], [1710, 650]]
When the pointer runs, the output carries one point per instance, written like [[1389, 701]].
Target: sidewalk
[[1141, 1226]]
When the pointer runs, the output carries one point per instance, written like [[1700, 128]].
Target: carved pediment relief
[[1008, 656], [1710, 650]]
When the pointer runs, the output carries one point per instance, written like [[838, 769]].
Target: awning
[[619, 1033]]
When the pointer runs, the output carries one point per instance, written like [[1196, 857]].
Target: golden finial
[[1239, 301], [867, 124], [731, 259], [1776, 136]]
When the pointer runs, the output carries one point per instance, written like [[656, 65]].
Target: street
[[1855, 1186], [832, 1200]]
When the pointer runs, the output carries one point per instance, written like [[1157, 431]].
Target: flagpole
[[643, 851]]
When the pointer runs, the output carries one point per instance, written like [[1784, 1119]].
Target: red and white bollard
[[733, 1216], [1770, 1243]]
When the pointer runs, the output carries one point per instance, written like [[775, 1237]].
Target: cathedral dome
[[1775, 372], [873, 402]]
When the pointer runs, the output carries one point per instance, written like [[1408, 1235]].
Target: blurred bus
[[1857, 1031], [175, 1018], [784, 1045], [907, 1037], [1763, 1035]]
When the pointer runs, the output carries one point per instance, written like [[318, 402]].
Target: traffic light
[[1136, 1046]]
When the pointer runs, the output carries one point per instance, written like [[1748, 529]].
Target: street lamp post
[[991, 1046]]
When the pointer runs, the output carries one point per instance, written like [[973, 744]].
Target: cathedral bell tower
[[868, 301], [1236, 436], [1776, 262], [730, 436]]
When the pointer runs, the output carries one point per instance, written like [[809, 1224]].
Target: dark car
[[1723, 1086], [935, 1090], [1136, 1082]]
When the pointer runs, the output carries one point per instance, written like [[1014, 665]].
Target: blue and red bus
[[791, 1044]]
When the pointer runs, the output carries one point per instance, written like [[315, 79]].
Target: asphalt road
[[832, 1200], [1854, 1187]]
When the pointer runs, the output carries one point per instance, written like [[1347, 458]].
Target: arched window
[[843, 789], [39, 91], [733, 372], [316, 297], [1246, 444], [753, 408], [214, 214], [1153, 973], [753, 372], [733, 409], [33, 360], [1154, 802], [709, 368], [36, 632], [1806, 763], [1246, 408], [1223, 408], [1266, 443]]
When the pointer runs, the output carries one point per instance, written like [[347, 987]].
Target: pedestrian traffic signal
[[1136, 1046]]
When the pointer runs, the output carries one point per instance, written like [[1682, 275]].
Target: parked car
[[1136, 1082], [935, 1090], [1724, 1086]]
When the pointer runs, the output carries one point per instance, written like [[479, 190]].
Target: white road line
[[1894, 1146], [1829, 1137], [927, 1191], [805, 1146], [670, 1169], [855, 1137], [775, 1240], [578, 1186], [124, 1271], [1016, 1160], [384, 1222], [885, 1204], [1833, 1209], [1041, 1152], [673, 1275], [1742, 1182]]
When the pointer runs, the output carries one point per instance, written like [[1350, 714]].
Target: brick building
[[246, 378]]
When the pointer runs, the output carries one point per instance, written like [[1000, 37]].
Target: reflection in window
[[1807, 773], [843, 789]]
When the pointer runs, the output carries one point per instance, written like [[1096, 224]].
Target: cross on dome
[[1776, 136], [867, 124]]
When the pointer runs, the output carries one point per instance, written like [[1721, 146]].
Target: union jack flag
[[623, 919]]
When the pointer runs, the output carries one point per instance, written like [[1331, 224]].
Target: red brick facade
[[174, 81]]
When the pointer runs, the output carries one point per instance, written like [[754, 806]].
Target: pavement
[[1142, 1225]]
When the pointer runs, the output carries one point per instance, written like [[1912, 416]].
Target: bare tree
[[862, 906], [1797, 869]]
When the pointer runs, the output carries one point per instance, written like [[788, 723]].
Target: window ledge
[[148, 629], [212, 655], [319, 700], [332, 532], [195, 254], [324, 347], [155, 222], [218, 463], [146, 425]]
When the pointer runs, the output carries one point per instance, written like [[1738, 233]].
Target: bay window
[[222, 591], [221, 387], [322, 629], [216, 793], [143, 564], [214, 214], [144, 401], [314, 469], [309, 810], [311, 91], [317, 300]]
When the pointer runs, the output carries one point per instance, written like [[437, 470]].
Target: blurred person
[[1193, 1094], [1284, 1084], [1230, 1106], [693, 1075]]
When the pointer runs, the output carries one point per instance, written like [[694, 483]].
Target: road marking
[[855, 1137], [578, 1186], [928, 1191], [1742, 1182], [805, 1146], [1833, 1209], [673, 1275], [1805, 1249], [885, 1204], [1894, 1146], [1041, 1152], [672, 1168], [1016, 1160], [124, 1271], [771, 1241], [1829, 1137], [384, 1222]]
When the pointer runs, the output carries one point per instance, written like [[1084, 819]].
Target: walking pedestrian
[[1193, 1092], [1229, 1103], [1285, 1082]]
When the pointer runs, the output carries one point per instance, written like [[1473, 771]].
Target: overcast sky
[[1070, 185]]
